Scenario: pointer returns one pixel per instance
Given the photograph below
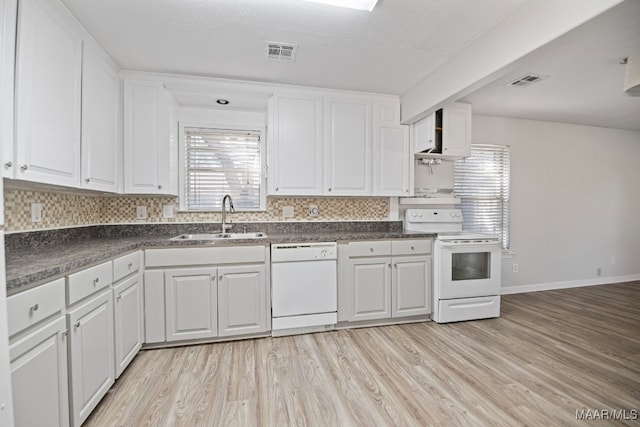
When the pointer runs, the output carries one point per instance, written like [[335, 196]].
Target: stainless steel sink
[[220, 236]]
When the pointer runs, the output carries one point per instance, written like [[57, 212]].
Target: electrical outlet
[[515, 268], [287, 212], [141, 212], [36, 212], [313, 210], [167, 211]]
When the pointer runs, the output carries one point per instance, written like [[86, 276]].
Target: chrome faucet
[[226, 226]]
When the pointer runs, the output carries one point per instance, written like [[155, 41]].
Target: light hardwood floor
[[548, 355]]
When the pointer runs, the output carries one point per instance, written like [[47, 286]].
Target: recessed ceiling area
[[386, 50], [582, 76]]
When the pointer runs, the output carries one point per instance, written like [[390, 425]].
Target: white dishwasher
[[304, 287]]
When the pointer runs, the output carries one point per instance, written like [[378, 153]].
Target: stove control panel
[[433, 215]]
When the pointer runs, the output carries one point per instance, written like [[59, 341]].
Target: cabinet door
[[424, 134], [8, 14], [411, 285], [456, 130], [100, 148], [127, 321], [48, 84], [392, 160], [39, 376], [154, 307], [191, 303], [148, 159], [347, 147], [295, 154], [369, 282], [242, 300], [92, 354]]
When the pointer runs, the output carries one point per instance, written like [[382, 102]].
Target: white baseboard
[[568, 284]]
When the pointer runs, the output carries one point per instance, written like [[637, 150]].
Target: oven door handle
[[469, 244]]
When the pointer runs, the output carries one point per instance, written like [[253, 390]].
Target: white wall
[[575, 202]]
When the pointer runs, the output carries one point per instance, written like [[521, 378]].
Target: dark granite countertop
[[39, 257]]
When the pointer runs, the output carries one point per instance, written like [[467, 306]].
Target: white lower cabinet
[[191, 303], [91, 352], [411, 290], [385, 279], [39, 376], [242, 300], [128, 315]]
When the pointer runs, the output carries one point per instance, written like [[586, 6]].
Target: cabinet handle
[[159, 187], [277, 188], [34, 307], [220, 277], [370, 249], [445, 148], [412, 248], [130, 265], [88, 180], [395, 266], [389, 265], [77, 324], [329, 189], [65, 333], [95, 281], [8, 164], [24, 168], [118, 298]]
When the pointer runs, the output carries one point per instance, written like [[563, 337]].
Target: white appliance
[[304, 287], [467, 267]]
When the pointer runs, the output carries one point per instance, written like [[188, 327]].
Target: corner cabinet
[[385, 279], [150, 139], [100, 124], [337, 144], [48, 87]]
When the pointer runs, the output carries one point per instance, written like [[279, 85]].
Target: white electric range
[[466, 266]]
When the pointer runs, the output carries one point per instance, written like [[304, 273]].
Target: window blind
[[482, 184], [219, 162]]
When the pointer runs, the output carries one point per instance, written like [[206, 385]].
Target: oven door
[[468, 269]]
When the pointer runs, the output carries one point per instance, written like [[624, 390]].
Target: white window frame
[[214, 125]]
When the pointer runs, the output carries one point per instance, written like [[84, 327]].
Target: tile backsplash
[[61, 209]]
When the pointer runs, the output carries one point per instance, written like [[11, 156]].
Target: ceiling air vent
[[526, 80], [281, 51]]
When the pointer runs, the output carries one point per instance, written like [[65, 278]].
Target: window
[[482, 184], [218, 162]]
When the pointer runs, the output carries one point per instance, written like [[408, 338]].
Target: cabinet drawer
[[370, 248], [125, 265], [29, 307], [86, 282], [411, 247]]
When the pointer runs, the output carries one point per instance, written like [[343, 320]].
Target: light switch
[[141, 212], [167, 211], [36, 212]]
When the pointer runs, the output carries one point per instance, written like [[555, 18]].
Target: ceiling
[[582, 76], [386, 51]]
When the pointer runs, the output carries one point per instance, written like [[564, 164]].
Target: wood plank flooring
[[549, 354]]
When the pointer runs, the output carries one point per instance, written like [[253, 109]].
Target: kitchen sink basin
[[220, 236]]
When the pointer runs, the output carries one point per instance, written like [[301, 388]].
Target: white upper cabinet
[[295, 150], [347, 146], [8, 14], [333, 144], [392, 159], [150, 139], [100, 136], [48, 85], [445, 133]]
